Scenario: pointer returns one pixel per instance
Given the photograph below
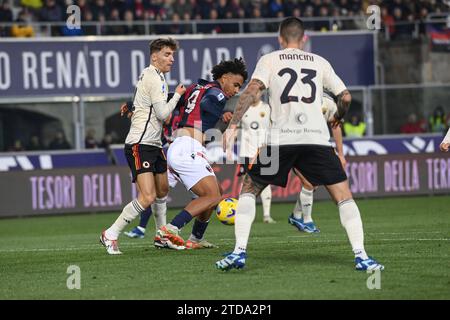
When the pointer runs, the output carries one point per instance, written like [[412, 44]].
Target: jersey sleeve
[[154, 87], [262, 71], [331, 80], [213, 103]]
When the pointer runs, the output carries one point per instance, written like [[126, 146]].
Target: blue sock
[[144, 217], [199, 228], [181, 219]]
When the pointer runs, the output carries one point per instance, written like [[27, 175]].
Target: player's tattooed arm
[[251, 95], [343, 104]]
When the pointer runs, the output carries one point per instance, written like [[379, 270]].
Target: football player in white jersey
[[301, 216], [295, 80], [143, 146], [255, 126], [445, 144]]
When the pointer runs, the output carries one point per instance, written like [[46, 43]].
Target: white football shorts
[[187, 160]]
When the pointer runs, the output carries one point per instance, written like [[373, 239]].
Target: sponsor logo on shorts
[[146, 164], [209, 168]]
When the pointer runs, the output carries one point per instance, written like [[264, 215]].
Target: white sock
[[159, 208], [129, 213], [266, 198], [298, 213], [351, 221], [306, 199], [245, 214]]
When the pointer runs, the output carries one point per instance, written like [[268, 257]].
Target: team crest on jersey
[[254, 125], [262, 114], [301, 118]]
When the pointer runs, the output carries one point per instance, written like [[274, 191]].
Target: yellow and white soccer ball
[[226, 211]]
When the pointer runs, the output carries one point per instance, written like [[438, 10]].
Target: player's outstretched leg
[[138, 232], [351, 221], [109, 237], [245, 215]]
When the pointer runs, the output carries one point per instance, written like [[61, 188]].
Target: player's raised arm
[[250, 96], [164, 109]]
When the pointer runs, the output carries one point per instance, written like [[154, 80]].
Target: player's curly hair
[[236, 66]]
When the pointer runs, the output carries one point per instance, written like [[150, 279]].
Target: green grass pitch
[[409, 235]]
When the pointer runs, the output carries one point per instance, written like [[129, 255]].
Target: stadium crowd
[[397, 15]]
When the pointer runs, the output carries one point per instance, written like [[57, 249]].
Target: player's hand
[[126, 109], [228, 138], [343, 160], [444, 146], [226, 117], [181, 89]]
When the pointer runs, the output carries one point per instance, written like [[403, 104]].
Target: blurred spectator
[[52, 12], [355, 128], [59, 142], [17, 146], [5, 16], [107, 141], [34, 4], [35, 144], [88, 28], [175, 27], [222, 8], [182, 7], [89, 141], [115, 17], [22, 28], [388, 21], [256, 26], [413, 125], [129, 27], [275, 7], [437, 121], [323, 25], [99, 8], [402, 12]]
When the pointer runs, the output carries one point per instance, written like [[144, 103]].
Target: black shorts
[[144, 158], [318, 164]]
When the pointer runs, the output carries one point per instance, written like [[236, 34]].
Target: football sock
[[129, 212], [145, 216], [181, 219], [160, 209], [351, 221], [298, 208], [306, 199], [245, 214], [266, 198], [198, 230]]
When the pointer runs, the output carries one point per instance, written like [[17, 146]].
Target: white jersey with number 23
[[295, 80]]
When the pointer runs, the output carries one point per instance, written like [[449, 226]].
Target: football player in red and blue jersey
[[201, 108]]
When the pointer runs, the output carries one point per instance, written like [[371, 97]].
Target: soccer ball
[[226, 211]]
